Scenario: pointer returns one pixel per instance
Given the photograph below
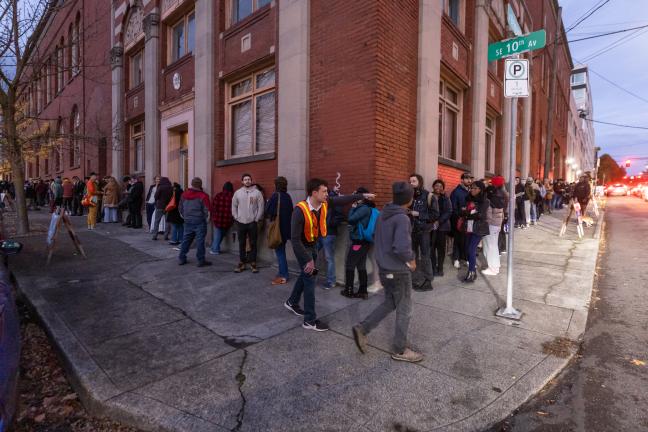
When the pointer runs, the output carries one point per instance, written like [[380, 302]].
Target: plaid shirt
[[221, 209]]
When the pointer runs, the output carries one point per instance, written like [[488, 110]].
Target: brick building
[[370, 89], [68, 93]]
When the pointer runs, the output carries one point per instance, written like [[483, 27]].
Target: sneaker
[[490, 272], [425, 286], [204, 263], [328, 286], [176, 248], [239, 268], [456, 264], [211, 252], [294, 308], [360, 338], [279, 280], [316, 325], [408, 356], [254, 268], [182, 262]]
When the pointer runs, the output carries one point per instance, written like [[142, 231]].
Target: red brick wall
[[450, 175], [262, 172], [184, 67]]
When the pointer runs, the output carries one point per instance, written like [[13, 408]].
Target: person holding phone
[[308, 224]]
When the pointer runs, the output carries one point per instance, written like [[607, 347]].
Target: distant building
[[582, 92]]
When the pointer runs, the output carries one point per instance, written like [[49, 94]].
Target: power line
[[615, 44], [615, 124], [615, 84], [608, 33], [587, 15]]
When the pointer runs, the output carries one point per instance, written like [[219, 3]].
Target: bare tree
[[22, 24]]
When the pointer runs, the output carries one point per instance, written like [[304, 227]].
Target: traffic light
[[628, 163]]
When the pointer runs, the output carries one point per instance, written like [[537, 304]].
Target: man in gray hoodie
[[396, 262], [247, 210]]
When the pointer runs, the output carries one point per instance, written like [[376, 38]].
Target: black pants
[[357, 259], [135, 213], [501, 240], [520, 217], [459, 246], [77, 208], [244, 231], [438, 250], [67, 204]]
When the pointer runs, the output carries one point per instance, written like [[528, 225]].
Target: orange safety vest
[[312, 227]]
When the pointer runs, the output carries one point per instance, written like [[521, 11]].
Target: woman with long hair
[[280, 205], [476, 224]]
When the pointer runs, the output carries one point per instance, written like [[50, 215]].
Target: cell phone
[[314, 272]]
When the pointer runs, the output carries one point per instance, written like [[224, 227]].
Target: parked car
[[636, 189], [9, 338], [617, 189], [644, 192]]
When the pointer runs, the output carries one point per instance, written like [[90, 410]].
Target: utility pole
[[552, 97]]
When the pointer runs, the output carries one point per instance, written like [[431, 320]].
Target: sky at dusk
[[625, 64]]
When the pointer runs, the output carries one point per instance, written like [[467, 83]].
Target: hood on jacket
[[391, 210], [192, 193], [164, 181]]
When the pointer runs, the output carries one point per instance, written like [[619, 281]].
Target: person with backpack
[[56, 189], [424, 212], [362, 223]]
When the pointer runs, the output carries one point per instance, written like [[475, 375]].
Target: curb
[[98, 394]]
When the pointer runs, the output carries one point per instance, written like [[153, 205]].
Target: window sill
[[246, 159], [453, 163], [248, 20]]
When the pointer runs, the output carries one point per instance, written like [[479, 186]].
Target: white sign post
[[516, 84]]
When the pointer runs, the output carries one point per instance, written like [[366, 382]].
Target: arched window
[[75, 146], [68, 57], [58, 145], [60, 64], [76, 52]]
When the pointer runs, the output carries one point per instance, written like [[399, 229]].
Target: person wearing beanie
[[475, 224], [396, 262], [498, 208], [194, 210]]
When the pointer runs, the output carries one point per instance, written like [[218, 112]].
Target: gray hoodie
[[393, 240]]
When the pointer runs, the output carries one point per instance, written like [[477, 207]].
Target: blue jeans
[[328, 244], [177, 233], [473, 241], [282, 261], [305, 285], [534, 212], [556, 202], [193, 231], [217, 239]]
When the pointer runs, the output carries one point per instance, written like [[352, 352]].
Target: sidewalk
[[164, 347]]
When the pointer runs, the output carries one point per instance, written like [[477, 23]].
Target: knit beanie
[[402, 193], [497, 181]]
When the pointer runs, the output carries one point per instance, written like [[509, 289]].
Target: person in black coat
[[476, 224], [163, 195], [135, 201], [281, 198], [438, 252]]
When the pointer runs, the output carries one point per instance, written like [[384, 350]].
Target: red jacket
[[68, 189], [221, 210]]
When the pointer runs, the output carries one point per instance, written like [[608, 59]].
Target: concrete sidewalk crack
[[571, 251], [240, 379]]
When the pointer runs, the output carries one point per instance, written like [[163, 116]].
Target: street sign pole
[[509, 311]]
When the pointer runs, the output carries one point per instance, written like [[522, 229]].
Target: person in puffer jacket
[[194, 209]]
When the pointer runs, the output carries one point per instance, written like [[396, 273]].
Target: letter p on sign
[[516, 78]]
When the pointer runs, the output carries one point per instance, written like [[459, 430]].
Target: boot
[[470, 277], [362, 289], [348, 284]]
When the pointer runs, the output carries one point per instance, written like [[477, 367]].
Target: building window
[[244, 8], [75, 45], [489, 152], [137, 140], [451, 8], [449, 121], [48, 82], [68, 54], [60, 65], [251, 113], [183, 36], [136, 69], [75, 138], [578, 78]]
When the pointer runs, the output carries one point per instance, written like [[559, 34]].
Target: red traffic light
[[628, 163]]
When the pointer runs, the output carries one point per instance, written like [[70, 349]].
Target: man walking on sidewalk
[[194, 208], [247, 210], [396, 261], [308, 224]]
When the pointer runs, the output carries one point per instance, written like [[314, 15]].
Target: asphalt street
[[605, 388]]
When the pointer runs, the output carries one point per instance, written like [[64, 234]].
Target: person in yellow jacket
[[92, 195], [308, 223]]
